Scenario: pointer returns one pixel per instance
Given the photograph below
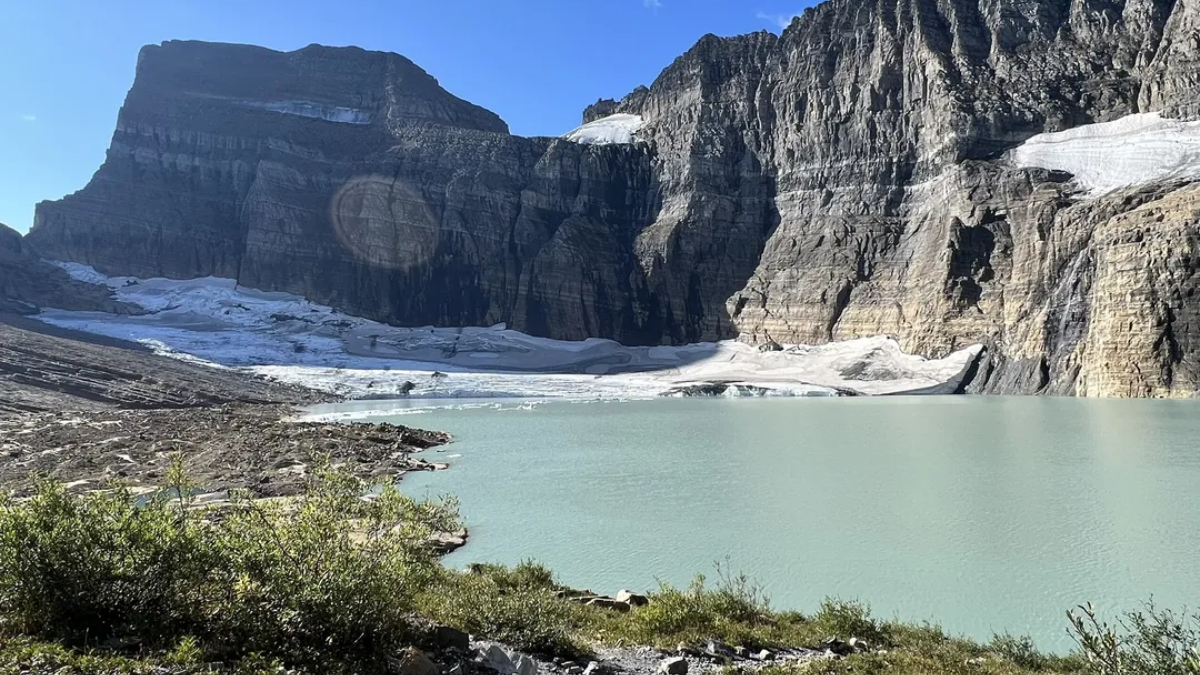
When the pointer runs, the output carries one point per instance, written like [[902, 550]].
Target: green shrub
[[733, 610], [526, 575], [1150, 642], [330, 574], [93, 569], [517, 607], [1021, 651], [326, 581], [849, 619]]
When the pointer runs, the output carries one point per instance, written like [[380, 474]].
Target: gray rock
[[524, 665], [610, 604], [676, 665], [718, 649], [451, 638], [495, 657], [838, 647], [632, 599], [412, 661]]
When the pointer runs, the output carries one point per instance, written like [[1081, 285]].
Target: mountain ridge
[[846, 178]]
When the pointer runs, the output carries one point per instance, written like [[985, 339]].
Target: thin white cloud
[[781, 20], [28, 118], [652, 4]]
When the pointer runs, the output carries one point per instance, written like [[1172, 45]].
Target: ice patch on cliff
[[320, 111], [290, 339], [614, 129], [1135, 150]]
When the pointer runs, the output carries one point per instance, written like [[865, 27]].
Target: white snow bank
[[614, 129], [320, 111], [1135, 150], [293, 340]]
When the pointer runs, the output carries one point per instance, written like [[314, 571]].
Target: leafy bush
[[516, 606], [526, 575], [330, 574], [849, 619], [96, 569], [733, 610], [324, 581], [1151, 642]]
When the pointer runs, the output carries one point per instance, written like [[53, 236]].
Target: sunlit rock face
[[860, 175]]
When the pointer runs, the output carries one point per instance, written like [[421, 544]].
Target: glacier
[[611, 130], [1135, 150], [290, 339]]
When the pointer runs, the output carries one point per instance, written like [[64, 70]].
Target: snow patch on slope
[[614, 129], [1135, 150], [290, 339], [320, 111]]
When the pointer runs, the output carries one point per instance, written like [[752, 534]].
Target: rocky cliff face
[[27, 283], [846, 179]]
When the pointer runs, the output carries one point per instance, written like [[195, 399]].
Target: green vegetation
[[326, 582], [335, 583]]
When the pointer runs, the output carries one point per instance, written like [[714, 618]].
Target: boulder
[[859, 645], [633, 599], [676, 665], [609, 603], [412, 661], [525, 665], [495, 657], [449, 637], [718, 649], [506, 662], [838, 647]]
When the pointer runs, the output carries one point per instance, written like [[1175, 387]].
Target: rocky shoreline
[[223, 448]]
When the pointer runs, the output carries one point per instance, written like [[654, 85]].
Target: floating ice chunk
[[614, 129], [1135, 150], [320, 111]]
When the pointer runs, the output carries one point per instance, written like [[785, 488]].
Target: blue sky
[[537, 63]]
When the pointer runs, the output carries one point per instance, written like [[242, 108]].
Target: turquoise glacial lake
[[984, 515]]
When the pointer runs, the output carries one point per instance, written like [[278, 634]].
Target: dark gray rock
[[632, 599], [448, 637], [676, 665]]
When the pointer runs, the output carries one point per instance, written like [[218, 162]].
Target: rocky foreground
[[223, 448]]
